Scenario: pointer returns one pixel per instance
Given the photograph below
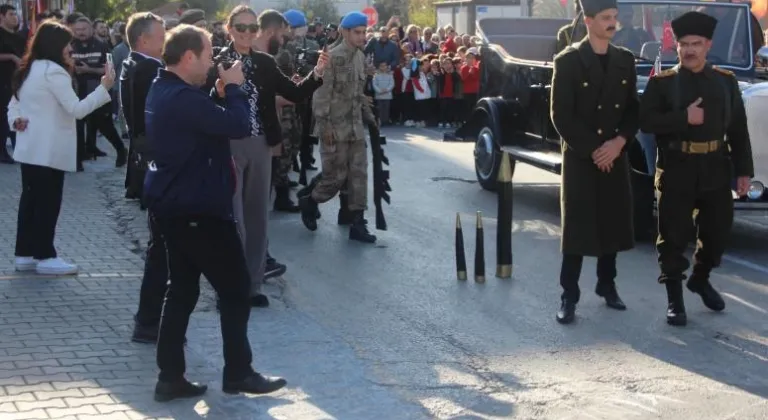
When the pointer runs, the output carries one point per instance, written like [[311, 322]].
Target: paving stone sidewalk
[[65, 350]]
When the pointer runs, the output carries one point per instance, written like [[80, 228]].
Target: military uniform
[[339, 108], [593, 100], [695, 167]]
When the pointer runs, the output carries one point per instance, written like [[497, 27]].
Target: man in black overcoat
[[594, 107], [697, 114]]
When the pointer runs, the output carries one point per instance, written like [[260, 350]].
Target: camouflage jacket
[[340, 103], [286, 57]]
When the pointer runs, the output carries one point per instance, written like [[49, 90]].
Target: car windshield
[[642, 29]]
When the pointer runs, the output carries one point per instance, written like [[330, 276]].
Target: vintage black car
[[516, 66]]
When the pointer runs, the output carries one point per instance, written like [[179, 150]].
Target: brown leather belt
[[697, 147]]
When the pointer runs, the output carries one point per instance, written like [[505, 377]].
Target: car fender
[[489, 111]]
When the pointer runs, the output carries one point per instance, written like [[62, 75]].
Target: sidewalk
[[65, 350]]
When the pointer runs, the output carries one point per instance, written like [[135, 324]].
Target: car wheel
[[487, 158]]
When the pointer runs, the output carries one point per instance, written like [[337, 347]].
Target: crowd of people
[[423, 77], [208, 136]]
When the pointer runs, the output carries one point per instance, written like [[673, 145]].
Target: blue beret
[[295, 18], [353, 20]]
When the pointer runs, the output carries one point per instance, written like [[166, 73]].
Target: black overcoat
[[590, 105]]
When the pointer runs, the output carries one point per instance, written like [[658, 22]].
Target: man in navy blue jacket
[[188, 190]]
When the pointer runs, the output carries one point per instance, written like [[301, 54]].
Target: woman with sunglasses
[[253, 155]]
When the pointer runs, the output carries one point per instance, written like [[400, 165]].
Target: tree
[[389, 8], [422, 13], [325, 9], [549, 9]]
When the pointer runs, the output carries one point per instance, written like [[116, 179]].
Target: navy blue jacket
[[191, 173]]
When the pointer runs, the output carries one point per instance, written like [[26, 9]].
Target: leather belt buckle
[[700, 148]]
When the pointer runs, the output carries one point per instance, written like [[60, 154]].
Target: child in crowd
[[449, 84], [410, 68], [421, 92], [433, 77], [383, 85], [470, 76]]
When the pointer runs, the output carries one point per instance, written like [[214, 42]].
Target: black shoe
[[259, 301], [709, 296], [167, 391], [567, 312], [345, 217], [283, 201], [256, 383], [358, 231], [309, 210], [293, 184], [608, 292], [145, 334], [675, 304], [274, 269], [96, 152], [122, 158]]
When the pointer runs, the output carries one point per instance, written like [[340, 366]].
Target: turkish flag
[[668, 39]]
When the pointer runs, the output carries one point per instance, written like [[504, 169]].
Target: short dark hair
[[73, 17], [98, 21], [139, 24], [181, 39], [271, 18], [5, 8]]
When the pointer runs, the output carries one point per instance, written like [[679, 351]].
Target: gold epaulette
[[723, 71], [666, 73]]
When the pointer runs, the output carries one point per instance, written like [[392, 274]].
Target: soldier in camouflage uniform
[[341, 130], [290, 114]]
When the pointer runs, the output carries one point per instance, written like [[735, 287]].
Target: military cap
[[192, 16], [593, 7], [694, 23], [295, 18], [354, 20], [332, 27]]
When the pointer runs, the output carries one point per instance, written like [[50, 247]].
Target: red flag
[[668, 40]]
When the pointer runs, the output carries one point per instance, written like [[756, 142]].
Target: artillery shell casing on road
[[479, 250], [504, 221], [461, 261]]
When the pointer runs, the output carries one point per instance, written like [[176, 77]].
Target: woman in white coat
[[42, 111]]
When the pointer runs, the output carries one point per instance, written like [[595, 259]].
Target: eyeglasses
[[241, 27]]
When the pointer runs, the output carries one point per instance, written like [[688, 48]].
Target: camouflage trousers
[[345, 164], [290, 124]]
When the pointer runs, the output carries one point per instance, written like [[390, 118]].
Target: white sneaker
[[441, 125], [25, 264], [56, 267], [409, 123]]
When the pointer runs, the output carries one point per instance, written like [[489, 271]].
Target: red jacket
[[449, 45], [398, 76], [470, 77]]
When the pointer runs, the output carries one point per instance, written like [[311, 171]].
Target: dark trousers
[[712, 223], [396, 108], [408, 106], [383, 107], [570, 271], [101, 121], [5, 128], [155, 281], [470, 100], [81, 148], [41, 193], [210, 247], [447, 113]]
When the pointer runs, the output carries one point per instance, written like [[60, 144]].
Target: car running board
[[549, 161]]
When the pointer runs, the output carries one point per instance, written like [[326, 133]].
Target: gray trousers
[[253, 162]]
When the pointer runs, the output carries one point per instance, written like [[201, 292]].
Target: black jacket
[[270, 83], [140, 71]]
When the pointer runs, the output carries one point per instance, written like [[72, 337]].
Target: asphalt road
[[449, 349]]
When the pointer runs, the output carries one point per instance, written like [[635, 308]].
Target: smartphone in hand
[[110, 65]]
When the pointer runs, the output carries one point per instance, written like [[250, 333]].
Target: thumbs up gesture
[[695, 113]]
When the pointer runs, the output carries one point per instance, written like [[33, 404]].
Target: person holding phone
[[90, 56], [42, 111]]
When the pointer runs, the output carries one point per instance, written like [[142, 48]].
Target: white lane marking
[[744, 263]]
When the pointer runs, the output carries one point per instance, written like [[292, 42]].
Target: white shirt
[[49, 102]]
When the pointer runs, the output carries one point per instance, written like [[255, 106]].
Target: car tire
[[488, 155]]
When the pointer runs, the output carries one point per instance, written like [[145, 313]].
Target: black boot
[[567, 312], [345, 216], [283, 201], [606, 289], [309, 211], [122, 158], [358, 231], [675, 304], [699, 284]]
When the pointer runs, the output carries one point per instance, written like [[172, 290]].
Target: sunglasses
[[241, 27]]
